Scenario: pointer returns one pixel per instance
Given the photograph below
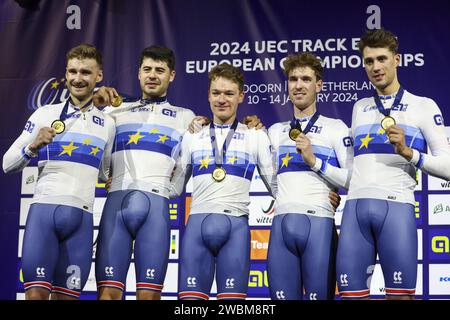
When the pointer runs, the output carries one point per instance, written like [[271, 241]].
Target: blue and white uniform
[[379, 213], [303, 235], [217, 236], [148, 134], [57, 247]]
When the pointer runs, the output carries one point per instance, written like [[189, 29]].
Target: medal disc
[[117, 101], [219, 174], [59, 126], [387, 121], [294, 133]]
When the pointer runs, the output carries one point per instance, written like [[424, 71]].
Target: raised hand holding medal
[[59, 126], [44, 137], [117, 101], [105, 96], [46, 134], [388, 120], [395, 134], [303, 143], [296, 129]]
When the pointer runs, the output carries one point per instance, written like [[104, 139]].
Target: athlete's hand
[[303, 145], [335, 199], [104, 96], [44, 137], [396, 136], [108, 184], [253, 122], [197, 123]]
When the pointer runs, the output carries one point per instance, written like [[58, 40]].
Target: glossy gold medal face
[[294, 133], [117, 101], [219, 174], [59, 126], [387, 121]]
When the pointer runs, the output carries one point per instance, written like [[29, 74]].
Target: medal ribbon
[[219, 156], [157, 100], [63, 116], [310, 124], [380, 106]]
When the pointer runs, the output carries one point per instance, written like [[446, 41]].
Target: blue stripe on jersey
[[370, 139], [235, 157], [317, 150], [72, 152], [375, 128], [81, 139], [152, 129], [294, 162], [234, 170], [155, 142], [237, 164]]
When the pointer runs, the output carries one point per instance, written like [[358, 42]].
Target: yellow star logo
[[286, 160], [163, 138], [87, 142], [55, 84], [365, 141], [232, 159], [134, 138], [154, 130], [205, 162], [94, 151], [68, 149]]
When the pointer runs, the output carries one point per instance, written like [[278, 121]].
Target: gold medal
[[117, 101], [219, 174], [387, 121], [294, 133], [59, 126]]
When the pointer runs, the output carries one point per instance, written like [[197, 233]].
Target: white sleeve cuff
[[316, 167], [415, 157], [30, 153]]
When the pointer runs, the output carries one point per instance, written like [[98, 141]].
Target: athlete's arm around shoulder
[[183, 166], [433, 129], [265, 157], [274, 134], [105, 168], [188, 116], [33, 137], [342, 147], [357, 109]]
